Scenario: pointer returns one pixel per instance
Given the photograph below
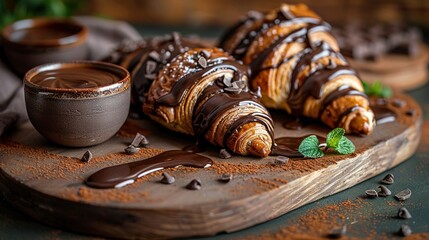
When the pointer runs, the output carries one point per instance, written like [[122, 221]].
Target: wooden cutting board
[[45, 180]]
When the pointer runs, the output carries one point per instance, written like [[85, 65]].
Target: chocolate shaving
[[403, 195], [371, 193], [410, 112], [388, 179], [139, 140], [225, 178], [399, 103], [167, 178], [233, 90], [281, 160], [205, 53], [405, 230], [150, 66], [130, 150], [384, 191], [87, 156], [202, 62], [155, 56], [194, 185], [404, 213], [224, 154]]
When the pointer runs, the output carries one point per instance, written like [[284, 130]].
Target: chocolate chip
[[202, 62], [170, 48], [167, 178], [398, 103], [205, 53], [405, 230], [166, 56], [371, 193], [150, 76], [227, 81], [224, 154], [225, 178], [139, 140], [155, 56], [130, 150], [388, 179], [410, 112], [280, 160], [381, 101], [194, 185], [87, 156], [403, 195], [239, 84], [338, 232], [150, 66], [384, 191], [176, 37], [404, 213]]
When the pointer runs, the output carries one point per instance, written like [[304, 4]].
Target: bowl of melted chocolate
[[32, 42], [77, 104]]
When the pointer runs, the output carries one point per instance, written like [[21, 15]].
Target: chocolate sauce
[[293, 123], [51, 31], [76, 77], [288, 146], [197, 147], [124, 174], [383, 114]]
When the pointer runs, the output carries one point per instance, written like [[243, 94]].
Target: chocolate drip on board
[[124, 174], [288, 146]]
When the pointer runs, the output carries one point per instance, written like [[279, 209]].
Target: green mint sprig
[[376, 89], [311, 148]]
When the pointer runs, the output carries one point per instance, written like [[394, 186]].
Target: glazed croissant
[[203, 92], [296, 63]]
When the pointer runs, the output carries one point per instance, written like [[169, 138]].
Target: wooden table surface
[[376, 218]]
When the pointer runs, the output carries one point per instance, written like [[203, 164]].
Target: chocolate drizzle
[[219, 97], [124, 174], [383, 114], [302, 85]]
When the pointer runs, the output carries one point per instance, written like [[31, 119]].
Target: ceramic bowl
[[32, 42], [77, 104]]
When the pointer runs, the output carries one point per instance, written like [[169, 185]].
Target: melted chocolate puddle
[[288, 146], [197, 147], [124, 174], [383, 114]]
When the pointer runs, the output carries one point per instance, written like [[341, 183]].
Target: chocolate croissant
[[203, 92], [296, 63], [145, 58]]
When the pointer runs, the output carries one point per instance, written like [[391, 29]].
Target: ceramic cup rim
[[119, 86], [78, 37]]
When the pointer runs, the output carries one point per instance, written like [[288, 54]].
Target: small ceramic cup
[[32, 42], [77, 104]]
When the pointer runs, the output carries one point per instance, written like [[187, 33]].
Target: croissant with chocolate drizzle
[[203, 92], [296, 63]]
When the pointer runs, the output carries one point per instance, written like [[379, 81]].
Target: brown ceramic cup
[[77, 104], [32, 42]]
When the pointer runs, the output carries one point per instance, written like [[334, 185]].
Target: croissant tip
[[259, 148], [361, 126]]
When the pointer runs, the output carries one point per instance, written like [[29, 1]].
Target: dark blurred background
[[209, 18]]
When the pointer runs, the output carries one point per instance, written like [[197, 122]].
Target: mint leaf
[[376, 89], [309, 147], [334, 137], [345, 146]]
